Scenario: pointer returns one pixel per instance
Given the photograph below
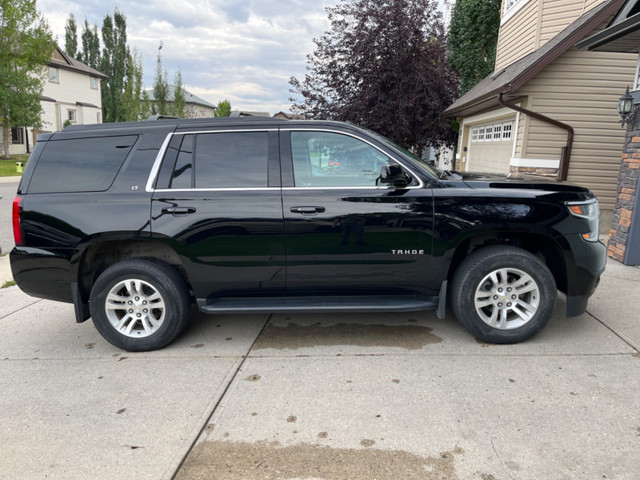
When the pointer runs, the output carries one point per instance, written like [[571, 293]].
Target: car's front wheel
[[503, 294], [140, 304]]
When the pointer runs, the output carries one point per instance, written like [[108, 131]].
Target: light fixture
[[625, 105]]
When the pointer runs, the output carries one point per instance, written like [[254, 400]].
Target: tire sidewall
[[476, 267], [164, 280]]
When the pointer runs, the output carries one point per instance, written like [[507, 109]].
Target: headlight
[[590, 211]]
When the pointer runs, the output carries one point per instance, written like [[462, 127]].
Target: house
[[549, 108], [71, 92], [623, 35], [195, 107]]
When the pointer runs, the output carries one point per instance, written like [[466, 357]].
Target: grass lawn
[[8, 167]]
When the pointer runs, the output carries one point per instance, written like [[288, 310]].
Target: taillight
[[17, 221]]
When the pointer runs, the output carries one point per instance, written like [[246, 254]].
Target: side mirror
[[394, 175]]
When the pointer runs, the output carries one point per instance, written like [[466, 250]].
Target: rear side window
[[80, 165], [216, 160], [233, 160]]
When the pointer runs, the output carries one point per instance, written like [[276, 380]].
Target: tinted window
[[228, 160], [331, 159], [81, 165]]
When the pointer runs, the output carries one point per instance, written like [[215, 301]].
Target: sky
[[241, 50]]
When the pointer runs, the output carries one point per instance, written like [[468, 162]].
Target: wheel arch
[[99, 256], [542, 246]]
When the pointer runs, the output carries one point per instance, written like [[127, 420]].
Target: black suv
[[133, 222]]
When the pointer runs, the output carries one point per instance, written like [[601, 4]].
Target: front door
[[344, 232]]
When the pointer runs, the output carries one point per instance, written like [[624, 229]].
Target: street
[[354, 396]]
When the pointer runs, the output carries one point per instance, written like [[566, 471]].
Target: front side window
[[53, 75], [71, 116], [324, 159], [94, 82]]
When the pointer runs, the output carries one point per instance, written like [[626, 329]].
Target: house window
[[71, 116], [53, 75], [506, 130], [511, 7], [17, 135], [94, 82]]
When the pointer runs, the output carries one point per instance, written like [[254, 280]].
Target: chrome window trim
[[163, 149], [220, 189], [349, 134]]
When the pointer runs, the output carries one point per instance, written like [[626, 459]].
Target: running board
[[336, 304]]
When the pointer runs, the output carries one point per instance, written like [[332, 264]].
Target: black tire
[[503, 294], [140, 305]]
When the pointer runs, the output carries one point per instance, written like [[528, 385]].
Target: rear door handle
[[179, 211], [308, 210]]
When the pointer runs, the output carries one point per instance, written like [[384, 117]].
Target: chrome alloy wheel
[[507, 298], [135, 308]]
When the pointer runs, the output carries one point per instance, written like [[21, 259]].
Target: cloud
[[244, 51]]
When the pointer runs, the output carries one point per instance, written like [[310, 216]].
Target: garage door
[[490, 148]]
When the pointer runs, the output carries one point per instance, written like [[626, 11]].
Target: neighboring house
[[549, 108], [245, 113], [71, 91], [289, 116], [195, 107]]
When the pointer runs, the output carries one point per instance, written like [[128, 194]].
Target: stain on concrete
[[292, 419], [323, 435], [121, 411], [89, 346], [271, 461], [197, 345], [293, 337], [487, 476], [253, 378], [395, 380], [209, 428], [637, 355], [512, 465], [367, 442]]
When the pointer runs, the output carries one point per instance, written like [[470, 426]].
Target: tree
[[131, 98], [223, 109], [179, 102], [473, 36], [71, 37], [383, 65], [160, 88], [115, 54], [90, 39], [26, 45]]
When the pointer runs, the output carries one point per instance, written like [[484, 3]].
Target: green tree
[[223, 108], [131, 98], [160, 88], [26, 45], [71, 37], [179, 101], [115, 54], [473, 36], [90, 54]]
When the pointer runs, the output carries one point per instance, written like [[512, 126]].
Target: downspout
[[566, 150]]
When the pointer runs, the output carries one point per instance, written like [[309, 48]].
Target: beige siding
[[534, 25], [582, 90], [517, 36]]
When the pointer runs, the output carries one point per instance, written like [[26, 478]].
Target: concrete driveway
[[323, 397]]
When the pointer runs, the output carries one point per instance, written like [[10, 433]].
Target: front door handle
[[308, 210], [179, 211]]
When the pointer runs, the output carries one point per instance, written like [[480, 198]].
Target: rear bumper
[[41, 273]]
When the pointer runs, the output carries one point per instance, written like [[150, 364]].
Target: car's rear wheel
[[140, 305], [503, 294]]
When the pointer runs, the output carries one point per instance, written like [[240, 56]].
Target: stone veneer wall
[[627, 190], [540, 172]]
